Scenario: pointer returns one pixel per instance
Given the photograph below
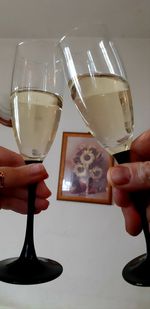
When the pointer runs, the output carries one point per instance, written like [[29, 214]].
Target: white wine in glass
[[107, 109], [99, 87], [36, 103]]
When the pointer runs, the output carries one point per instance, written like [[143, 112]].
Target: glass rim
[[36, 40], [86, 25]]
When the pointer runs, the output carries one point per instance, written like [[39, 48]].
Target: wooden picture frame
[[83, 170]]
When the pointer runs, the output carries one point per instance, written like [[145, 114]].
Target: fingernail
[[37, 168], [119, 175]]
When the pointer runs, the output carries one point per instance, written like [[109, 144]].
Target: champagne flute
[[99, 87], [36, 104]]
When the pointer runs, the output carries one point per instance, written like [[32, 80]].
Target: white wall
[[89, 240]]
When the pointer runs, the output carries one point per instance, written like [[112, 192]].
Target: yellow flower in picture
[[79, 170], [96, 172], [87, 157]]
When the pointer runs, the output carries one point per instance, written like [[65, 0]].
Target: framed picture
[[83, 169]]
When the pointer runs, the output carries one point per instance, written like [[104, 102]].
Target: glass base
[[137, 271], [22, 271]]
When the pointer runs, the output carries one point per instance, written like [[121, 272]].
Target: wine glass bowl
[[36, 106], [36, 103], [99, 87]]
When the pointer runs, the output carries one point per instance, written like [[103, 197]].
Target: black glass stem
[[137, 271], [28, 268], [28, 250]]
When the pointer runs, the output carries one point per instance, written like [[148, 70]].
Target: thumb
[[131, 176], [23, 175]]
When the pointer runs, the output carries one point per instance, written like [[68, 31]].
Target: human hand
[[132, 177], [17, 177]]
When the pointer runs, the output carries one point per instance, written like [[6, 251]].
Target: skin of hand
[[132, 177], [18, 176]]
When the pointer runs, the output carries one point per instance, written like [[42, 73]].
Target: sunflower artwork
[[83, 170]]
